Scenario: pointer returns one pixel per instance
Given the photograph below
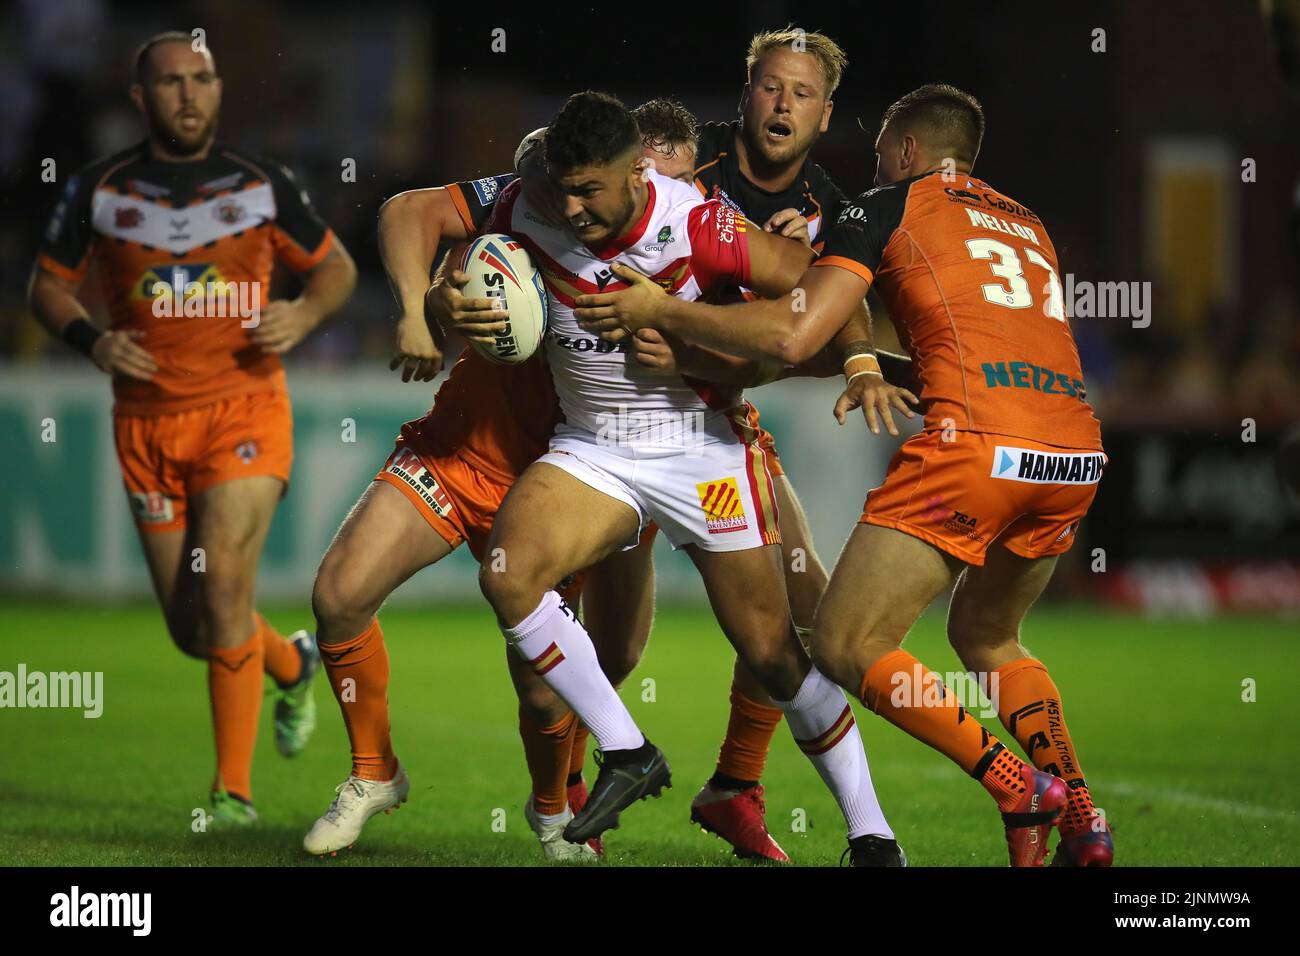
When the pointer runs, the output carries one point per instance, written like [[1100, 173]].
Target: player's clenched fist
[[418, 355], [117, 353]]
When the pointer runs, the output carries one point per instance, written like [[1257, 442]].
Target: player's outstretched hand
[[284, 323], [616, 315], [478, 320], [117, 353], [791, 224], [418, 355], [877, 399]]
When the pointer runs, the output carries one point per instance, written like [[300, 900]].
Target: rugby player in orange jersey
[[987, 496], [184, 232]]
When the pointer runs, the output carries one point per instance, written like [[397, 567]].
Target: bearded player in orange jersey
[[987, 496], [184, 232]]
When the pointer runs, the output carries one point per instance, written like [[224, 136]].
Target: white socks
[[557, 647], [823, 726]]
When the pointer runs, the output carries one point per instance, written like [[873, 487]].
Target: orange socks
[[1029, 706], [358, 672], [578, 755], [235, 688], [281, 658], [749, 736], [548, 751], [900, 689]]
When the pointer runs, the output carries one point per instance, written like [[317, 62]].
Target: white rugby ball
[[501, 269]]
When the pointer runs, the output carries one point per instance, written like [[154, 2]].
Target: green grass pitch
[[1188, 772]]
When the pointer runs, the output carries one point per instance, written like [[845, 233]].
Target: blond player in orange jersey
[[184, 232], [987, 496]]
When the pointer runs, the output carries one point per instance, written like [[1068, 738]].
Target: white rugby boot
[[551, 836], [356, 801]]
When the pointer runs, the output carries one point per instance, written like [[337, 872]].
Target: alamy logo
[[82, 690], [72, 909]]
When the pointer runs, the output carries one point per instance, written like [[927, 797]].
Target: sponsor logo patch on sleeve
[[486, 189]]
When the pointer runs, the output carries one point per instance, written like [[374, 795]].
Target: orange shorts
[[460, 502], [168, 458], [963, 495]]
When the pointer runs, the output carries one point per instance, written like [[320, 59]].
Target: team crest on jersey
[[724, 510], [229, 212], [151, 507], [247, 451], [127, 217]]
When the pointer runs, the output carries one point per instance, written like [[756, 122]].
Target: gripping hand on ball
[[478, 320]]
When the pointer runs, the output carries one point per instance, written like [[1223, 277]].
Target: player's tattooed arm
[[53, 300]]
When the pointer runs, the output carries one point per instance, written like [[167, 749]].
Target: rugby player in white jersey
[[639, 447]]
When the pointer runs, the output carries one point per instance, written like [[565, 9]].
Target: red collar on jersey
[[613, 247]]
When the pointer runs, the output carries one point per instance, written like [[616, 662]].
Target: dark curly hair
[[665, 122], [591, 129]]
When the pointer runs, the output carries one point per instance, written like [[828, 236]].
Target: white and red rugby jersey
[[688, 245]]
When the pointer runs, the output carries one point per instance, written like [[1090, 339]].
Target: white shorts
[[719, 497]]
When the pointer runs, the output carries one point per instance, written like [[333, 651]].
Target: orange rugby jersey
[[211, 228], [497, 418], [972, 285]]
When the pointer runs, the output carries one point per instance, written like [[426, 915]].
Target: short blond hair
[[828, 53]]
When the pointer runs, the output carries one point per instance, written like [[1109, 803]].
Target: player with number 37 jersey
[[987, 496]]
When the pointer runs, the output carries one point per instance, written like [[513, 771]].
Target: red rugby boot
[[1030, 822], [1087, 848], [737, 817], [578, 800]]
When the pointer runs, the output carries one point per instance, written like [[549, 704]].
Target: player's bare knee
[[542, 705], [338, 602], [512, 582], [188, 634]]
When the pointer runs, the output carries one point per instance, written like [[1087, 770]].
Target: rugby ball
[[501, 269]]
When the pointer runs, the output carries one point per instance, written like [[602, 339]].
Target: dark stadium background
[[1181, 596]]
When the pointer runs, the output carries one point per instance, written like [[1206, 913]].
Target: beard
[[618, 221], [179, 141], [775, 155]]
